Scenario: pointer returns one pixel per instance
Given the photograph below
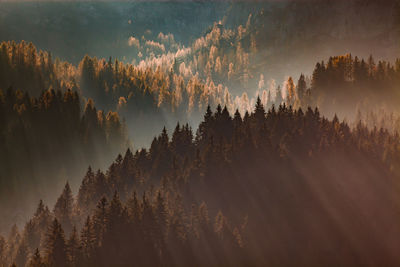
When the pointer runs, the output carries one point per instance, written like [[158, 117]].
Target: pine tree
[[301, 88], [85, 191], [134, 208], [100, 186], [40, 209], [31, 235], [114, 213], [205, 126], [63, 208], [88, 242], [100, 219], [128, 169], [259, 112], [73, 248], [39, 224], [56, 249]]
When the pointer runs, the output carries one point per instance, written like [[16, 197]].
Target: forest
[[258, 134], [200, 188], [200, 199]]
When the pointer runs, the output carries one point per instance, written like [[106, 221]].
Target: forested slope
[[285, 188]]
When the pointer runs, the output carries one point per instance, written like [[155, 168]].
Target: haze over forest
[[214, 133]]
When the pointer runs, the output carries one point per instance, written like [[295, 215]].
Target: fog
[[157, 64]]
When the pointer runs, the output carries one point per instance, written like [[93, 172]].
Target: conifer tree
[[259, 112], [56, 249], [134, 208], [85, 190], [301, 88], [88, 242], [100, 219], [64, 207], [73, 248]]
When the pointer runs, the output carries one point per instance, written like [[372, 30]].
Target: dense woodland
[[257, 163], [347, 80], [47, 138], [241, 191], [168, 88], [263, 181]]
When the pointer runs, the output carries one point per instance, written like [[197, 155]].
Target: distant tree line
[[347, 80], [23, 67], [162, 88]]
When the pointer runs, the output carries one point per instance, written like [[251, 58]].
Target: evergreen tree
[[73, 248], [64, 207], [301, 89], [56, 249], [88, 242], [100, 219], [259, 112], [134, 208], [85, 191]]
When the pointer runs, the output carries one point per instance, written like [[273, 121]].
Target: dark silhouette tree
[[56, 248]]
